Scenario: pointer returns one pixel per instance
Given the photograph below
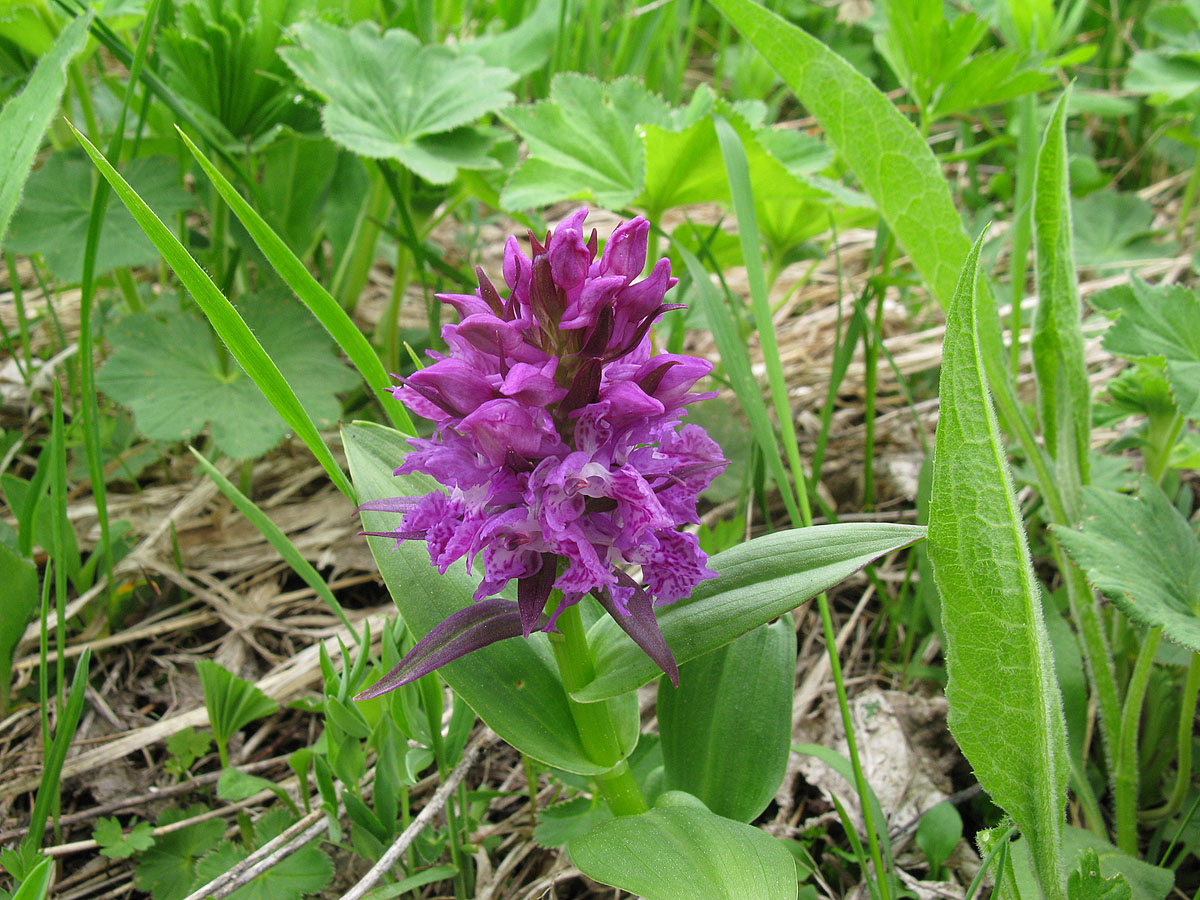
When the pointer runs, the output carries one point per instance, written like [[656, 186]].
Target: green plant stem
[[1027, 149], [1090, 806], [1162, 437], [431, 696], [1183, 758], [80, 86], [128, 286], [593, 720], [860, 780], [1189, 196], [14, 285], [1126, 782], [355, 265]]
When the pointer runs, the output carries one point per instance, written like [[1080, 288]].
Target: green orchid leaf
[[759, 581], [1005, 708], [513, 685], [170, 374], [26, 116], [560, 824], [726, 729], [1141, 552], [1157, 322], [583, 142], [1115, 231], [681, 849], [390, 97], [56, 207]]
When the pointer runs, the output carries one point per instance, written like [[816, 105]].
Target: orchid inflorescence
[[559, 443]]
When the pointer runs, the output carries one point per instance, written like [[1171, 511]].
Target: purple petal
[[390, 504], [625, 250], [641, 625], [467, 630]]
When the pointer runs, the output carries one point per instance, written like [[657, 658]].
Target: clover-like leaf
[[1142, 553], [1160, 322], [390, 97], [56, 207], [304, 872], [167, 871], [1087, 883], [171, 375], [116, 844]]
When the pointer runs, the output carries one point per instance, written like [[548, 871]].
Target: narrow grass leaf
[[1005, 709], [738, 171], [64, 733], [26, 116], [1064, 395], [737, 366], [225, 319], [327, 310], [885, 150], [277, 539], [19, 577]]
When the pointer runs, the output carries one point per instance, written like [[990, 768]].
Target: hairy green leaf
[[887, 153], [1064, 394], [1142, 553], [1160, 322], [26, 116], [1005, 709]]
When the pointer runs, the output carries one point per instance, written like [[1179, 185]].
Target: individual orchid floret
[[559, 445]]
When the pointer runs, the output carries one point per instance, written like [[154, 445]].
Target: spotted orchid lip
[[549, 390]]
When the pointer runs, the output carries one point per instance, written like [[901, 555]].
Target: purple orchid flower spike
[[559, 441]]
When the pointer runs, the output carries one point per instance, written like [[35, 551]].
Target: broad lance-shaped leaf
[[1163, 322], [390, 97], [1005, 709], [513, 685], [1064, 394], [466, 631], [1142, 553], [26, 116], [681, 849], [759, 581]]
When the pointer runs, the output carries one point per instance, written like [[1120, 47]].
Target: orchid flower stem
[[594, 720], [860, 780], [1126, 781]]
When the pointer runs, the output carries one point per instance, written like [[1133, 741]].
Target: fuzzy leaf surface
[[1142, 553], [1163, 322], [1005, 708]]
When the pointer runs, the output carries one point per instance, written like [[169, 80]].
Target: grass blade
[[26, 116], [738, 171], [737, 367], [277, 539], [1005, 705], [322, 305], [228, 324]]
